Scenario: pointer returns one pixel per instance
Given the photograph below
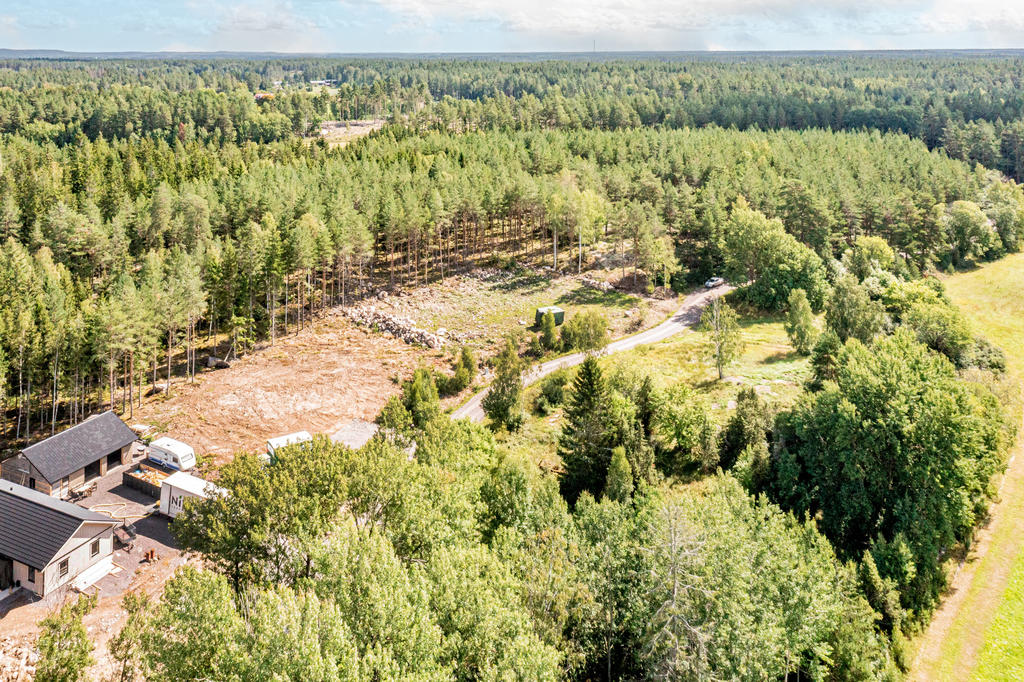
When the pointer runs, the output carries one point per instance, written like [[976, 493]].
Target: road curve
[[687, 316]]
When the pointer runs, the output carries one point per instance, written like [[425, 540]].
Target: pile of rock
[[663, 293], [18, 660], [400, 327], [591, 283]]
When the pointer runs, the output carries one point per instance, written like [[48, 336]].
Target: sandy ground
[[315, 381], [340, 133]]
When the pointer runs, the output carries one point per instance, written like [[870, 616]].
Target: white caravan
[[172, 453]]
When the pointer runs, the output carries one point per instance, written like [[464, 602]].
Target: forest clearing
[[335, 371]]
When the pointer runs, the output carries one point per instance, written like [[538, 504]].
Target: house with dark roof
[[46, 543], [72, 458]]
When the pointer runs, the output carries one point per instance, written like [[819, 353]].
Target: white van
[[275, 444], [172, 453]]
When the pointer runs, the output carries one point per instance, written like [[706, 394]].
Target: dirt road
[[687, 316]]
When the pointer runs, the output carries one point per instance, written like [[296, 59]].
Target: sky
[[366, 26]]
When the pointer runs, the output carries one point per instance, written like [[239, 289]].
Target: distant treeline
[[941, 98]]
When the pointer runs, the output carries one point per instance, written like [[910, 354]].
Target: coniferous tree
[[585, 442]]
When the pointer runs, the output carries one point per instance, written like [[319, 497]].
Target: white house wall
[[77, 552]]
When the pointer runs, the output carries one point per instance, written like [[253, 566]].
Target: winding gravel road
[[684, 318]]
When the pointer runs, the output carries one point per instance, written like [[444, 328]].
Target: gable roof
[[34, 526], [70, 450]]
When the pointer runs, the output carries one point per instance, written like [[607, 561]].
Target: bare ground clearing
[[340, 133], [315, 381]]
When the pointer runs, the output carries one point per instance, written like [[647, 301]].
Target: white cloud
[[598, 16], [264, 16], [636, 17]]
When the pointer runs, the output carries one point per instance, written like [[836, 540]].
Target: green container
[[554, 310]]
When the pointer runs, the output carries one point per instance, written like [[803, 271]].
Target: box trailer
[[557, 312], [172, 453], [179, 487]]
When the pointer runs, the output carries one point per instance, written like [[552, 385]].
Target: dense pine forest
[[147, 207]]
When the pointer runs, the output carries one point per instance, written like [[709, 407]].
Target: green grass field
[[983, 638]]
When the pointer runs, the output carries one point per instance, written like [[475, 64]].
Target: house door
[[6, 573]]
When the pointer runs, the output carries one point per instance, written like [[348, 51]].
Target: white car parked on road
[[714, 282]]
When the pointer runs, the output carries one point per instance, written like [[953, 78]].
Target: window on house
[[62, 568], [95, 549], [31, 575]]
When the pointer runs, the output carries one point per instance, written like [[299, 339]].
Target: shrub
[[585, 331], [548, 333], [503, 402], [552, 392], [464, 367], [420, 397]]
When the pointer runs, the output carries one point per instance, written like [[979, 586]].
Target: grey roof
[[34, 526], [68, 451]]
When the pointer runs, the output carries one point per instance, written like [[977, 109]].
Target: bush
[[552, 392], [585, 331], [503, 402], [420, 397], [984, 355], [548, 333], [824, 359], [464, 367], [942, 328], [618, 485], [748, 426]]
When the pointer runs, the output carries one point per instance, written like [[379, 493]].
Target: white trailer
[[179, 486], [172, 453], [275, 444]]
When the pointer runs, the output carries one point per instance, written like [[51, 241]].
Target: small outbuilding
[[179, 486], [47, 543], [554, 310], [74, 457]]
